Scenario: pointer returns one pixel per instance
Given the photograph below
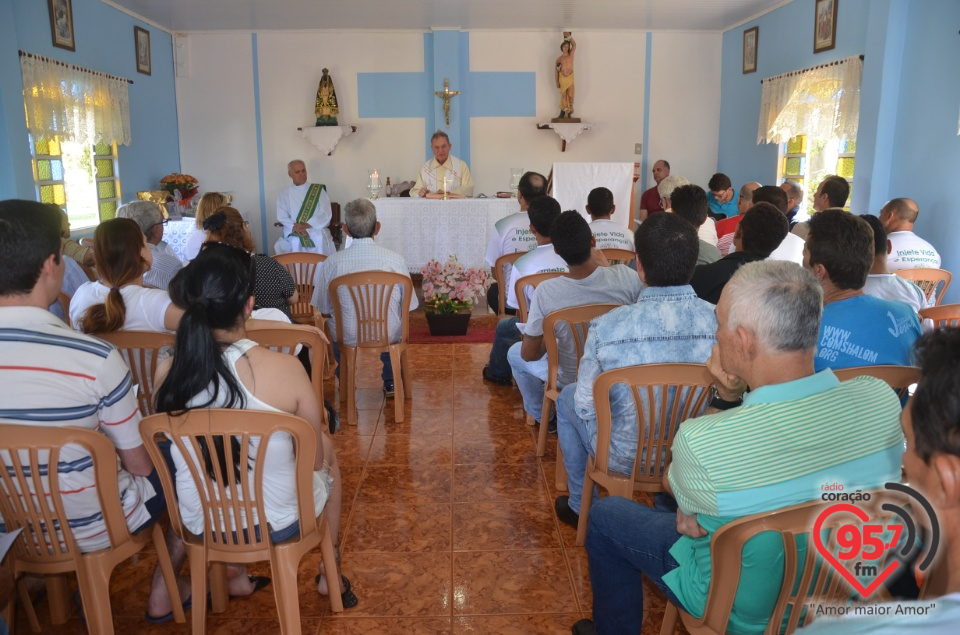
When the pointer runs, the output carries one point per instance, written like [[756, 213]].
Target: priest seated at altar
[[443, 176]]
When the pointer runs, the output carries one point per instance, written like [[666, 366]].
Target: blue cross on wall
[[446, 54]]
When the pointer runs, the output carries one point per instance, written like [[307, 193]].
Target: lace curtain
[[74, 104], [822, 102]]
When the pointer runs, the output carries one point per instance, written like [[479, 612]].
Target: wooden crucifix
[[446, 95]]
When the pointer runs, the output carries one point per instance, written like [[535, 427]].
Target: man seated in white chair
[[304, 211]]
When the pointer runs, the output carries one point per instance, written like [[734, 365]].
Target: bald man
[[908, 251]]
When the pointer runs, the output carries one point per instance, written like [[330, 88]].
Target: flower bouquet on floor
[[183, 187], [449, 291]]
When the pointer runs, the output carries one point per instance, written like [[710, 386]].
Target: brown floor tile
[[410, 449], [500, 482], [494, 419], [579, 566], [399, 527], [494, 582], [393, 484], [472, 354], [435, 357], [366, 424], [346, 624], [414, 584], [352, 450], [518, 448], [419, 421], [497, 526], [516, 624]]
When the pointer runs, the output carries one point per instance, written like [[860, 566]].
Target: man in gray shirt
[[588, 281]]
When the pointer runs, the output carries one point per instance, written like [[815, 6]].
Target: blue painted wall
[[910, 96], [785, 44], [104, 42], [926, 148]]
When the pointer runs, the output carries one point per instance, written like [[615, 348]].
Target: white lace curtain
[[822, 102], [74, 104]]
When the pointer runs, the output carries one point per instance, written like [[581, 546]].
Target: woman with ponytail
[[118, 300], [274, 287], [215, 366]]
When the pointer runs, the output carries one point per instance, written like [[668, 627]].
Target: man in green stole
[[304, 211]]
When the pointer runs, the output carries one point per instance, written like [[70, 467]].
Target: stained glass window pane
[[59, 197], [57, 169], [108, 210], [104, 168], [54, 148], [848, 147], [44, 171], [797, 145], [101, 148], [42, 147], [46, 193], [793, 166], [106, 189], [845, 167]]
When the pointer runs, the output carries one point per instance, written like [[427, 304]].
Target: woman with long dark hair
[[274, 287], [118, 300], [215, 366]]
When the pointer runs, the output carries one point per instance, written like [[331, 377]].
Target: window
[[808, 160], [81, 179]]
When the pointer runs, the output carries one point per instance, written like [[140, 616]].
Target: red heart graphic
[[829, 557]]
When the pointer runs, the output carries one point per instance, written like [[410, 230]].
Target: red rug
[[475, 335]]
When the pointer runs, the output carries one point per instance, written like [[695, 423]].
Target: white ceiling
[[244, 15]]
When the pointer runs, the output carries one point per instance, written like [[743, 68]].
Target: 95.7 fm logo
[[880, 545]]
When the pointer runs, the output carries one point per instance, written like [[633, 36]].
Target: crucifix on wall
[[446, 95]]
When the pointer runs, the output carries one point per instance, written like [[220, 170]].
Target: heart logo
[[835, 563]]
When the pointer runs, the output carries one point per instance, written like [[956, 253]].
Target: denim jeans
[[386, 374], [507, 335], [575, 443], [624, 541], [530, 378]]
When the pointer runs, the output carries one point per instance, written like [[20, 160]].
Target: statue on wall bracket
[[326, 107], [564, 77]]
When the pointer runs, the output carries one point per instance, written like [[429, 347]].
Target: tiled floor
[[448, 523]]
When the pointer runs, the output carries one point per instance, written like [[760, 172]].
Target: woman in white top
[[208, 205], [118, 300], [216, 366]]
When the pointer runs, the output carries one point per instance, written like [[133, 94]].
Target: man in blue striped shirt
[[51, 376]]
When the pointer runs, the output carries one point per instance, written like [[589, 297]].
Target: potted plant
[[182, 184], [449, 291]]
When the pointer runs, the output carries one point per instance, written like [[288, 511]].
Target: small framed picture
[[825, 26], [141, 38], [61, 24], [750, 38]]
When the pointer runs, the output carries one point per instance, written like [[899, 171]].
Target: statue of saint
[[326, 101], [564, 74]]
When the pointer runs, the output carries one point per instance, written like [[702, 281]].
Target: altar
[[422, 229]]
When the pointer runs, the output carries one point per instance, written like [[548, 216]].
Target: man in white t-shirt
[[907, 250], [543, 211], [883, 284], [791, 247], [72, 380], [304, 211], [512, 233], [588, 281], [606, 233]]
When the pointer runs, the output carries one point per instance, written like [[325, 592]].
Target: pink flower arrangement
[[450, 287]]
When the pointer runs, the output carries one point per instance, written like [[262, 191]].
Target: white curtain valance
[[822, 102], [73, 103]]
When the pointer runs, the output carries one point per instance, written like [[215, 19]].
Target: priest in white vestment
[[443, 173], [304, 211]]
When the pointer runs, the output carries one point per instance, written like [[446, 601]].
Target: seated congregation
[[703, 368]]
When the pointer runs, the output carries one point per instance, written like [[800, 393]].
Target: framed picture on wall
[[141, 38], [750, 39], [825, 26], [61, 24]]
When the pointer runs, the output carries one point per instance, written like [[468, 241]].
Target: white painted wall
[[685, 104], [218, 129]]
